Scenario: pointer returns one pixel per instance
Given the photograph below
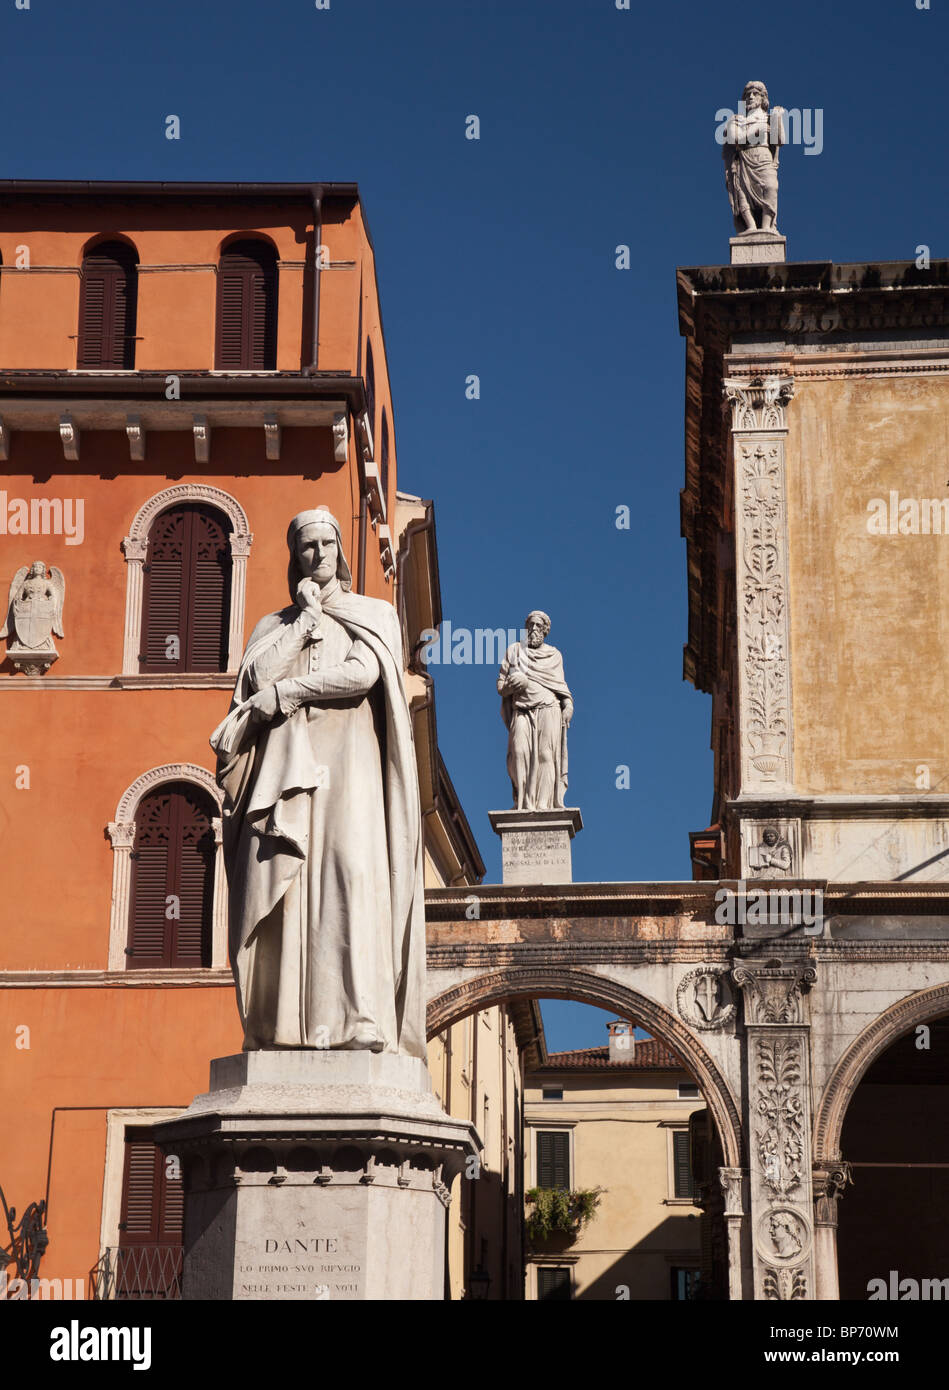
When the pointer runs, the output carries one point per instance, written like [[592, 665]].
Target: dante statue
[[537, 708], [753, 138], [322, 825]]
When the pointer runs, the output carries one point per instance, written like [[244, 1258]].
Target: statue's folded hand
[[263, 705]]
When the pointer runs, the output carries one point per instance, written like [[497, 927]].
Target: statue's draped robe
[[322, 835], [751, 170], [534, 719]]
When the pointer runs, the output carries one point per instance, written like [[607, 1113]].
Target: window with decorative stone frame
[[135, 547], [121, 833]]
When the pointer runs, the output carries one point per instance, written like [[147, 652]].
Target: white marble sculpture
[[34, 613], [753, 137], [322, 826], [537, 708]]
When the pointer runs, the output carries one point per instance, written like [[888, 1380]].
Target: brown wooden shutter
[[553, 1284], [384, 458], [173, 855], [165, 567], [370, 389], [187, 591], [681, 1163], [247, 308], [150, 1224], [209, 582], [553, 1158], [108, 300]]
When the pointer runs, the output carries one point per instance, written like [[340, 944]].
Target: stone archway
[[898, 1019], [830, 1169], [566, 982]]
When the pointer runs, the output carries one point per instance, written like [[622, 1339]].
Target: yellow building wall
[[476, 1075], [869, 613], [621, 1126]]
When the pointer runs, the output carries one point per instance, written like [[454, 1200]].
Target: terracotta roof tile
[[648, 1054]]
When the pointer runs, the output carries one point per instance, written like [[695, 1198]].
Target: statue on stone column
[[752, 141], [322, 824], [537, 708]]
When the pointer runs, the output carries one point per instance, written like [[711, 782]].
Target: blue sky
[[496, 257]]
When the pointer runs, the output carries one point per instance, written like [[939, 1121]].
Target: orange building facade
[[118, 424]]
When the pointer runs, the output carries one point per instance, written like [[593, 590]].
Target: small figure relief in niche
[[772, 857], [753, 138], [34, 613]]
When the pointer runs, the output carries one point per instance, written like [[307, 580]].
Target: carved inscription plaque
[[316, 1267], [536, 856]]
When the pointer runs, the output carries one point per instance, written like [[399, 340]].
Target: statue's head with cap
[[311, 538]]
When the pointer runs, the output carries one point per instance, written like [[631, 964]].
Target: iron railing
[[137, 1272]]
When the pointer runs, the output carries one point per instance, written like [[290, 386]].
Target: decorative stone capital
[[829, 1181], [241, 544], [758, 404], [774, 993], [121, 834], [731, 1183], [135, 548]]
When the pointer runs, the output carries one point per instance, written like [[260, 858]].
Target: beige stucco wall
[[475, 1072], [621, 1126], [869, 613]]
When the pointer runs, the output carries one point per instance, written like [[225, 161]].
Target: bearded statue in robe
[[322, 825], [751, 148], [537, 708]]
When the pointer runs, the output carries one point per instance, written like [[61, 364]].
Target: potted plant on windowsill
[[556, 1214]]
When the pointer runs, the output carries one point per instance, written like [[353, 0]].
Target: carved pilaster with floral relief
[[779, 1124], [759, 430]]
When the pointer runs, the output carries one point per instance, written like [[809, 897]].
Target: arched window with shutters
[[108, 303], [228, 582], [187, 590], [247, 307], [169, 894], [172, 887], [384, 459]]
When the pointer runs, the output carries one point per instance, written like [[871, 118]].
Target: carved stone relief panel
[[779, 1120], [771, 848], [759, 428]]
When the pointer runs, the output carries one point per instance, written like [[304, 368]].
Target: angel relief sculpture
[[34, 613]]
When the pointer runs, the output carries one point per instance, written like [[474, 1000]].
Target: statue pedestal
[[535, 845], [758, 248], [316, 1175]]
